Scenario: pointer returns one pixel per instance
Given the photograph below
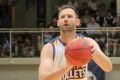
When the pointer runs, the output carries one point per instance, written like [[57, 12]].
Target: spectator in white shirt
[[92, 26]]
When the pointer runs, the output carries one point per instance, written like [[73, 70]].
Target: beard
[[67, 28]]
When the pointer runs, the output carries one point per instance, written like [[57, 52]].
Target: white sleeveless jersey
[[77, 73]]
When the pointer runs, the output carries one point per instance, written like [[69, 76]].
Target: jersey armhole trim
[[53, 50]]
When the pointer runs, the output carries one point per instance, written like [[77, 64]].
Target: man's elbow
[[41, 77], [109, 69]]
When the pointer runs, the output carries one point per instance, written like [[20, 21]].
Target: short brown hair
[[68, 6]]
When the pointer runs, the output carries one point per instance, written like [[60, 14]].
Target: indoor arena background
[[26, 25]]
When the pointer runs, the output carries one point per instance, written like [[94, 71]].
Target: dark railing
[[27, 42]]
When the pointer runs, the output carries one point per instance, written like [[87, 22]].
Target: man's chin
[[66, 26], [66, 30]]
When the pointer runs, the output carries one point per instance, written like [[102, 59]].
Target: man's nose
[[66, 20]]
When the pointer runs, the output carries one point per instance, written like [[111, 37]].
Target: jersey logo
[[75, 73]]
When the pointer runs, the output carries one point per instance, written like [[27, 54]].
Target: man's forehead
[[67, 10]]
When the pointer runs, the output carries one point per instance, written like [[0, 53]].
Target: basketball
[[78, 52]]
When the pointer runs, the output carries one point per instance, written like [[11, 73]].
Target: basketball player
[[53, 65]]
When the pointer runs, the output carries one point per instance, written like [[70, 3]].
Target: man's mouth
[[66, 24]]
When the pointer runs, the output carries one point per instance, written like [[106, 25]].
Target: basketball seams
[[83, 61], [80, 49], [70, 57], [78, 52]]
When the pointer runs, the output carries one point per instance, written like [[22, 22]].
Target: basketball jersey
[[77, 72]]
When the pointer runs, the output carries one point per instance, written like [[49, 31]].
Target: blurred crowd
[[30, 44], [105, 16], [93, 14]]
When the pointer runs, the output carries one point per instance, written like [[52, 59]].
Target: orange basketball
[[78, 52]]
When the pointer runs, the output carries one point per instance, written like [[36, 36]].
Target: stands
[[27, 43]]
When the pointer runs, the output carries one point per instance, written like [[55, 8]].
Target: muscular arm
[[100, 58], [46, 68]]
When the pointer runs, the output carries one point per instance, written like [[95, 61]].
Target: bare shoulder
[[47, 46], [47, 51], [90, 39], [92, 42], [46, 58]]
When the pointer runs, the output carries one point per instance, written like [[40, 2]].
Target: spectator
[[92, 26], [113, 41], [83, 8], [100, 14], [102, 10], [6, 47], [14, 46], [99, 18], [105, 25], [20, 44], [117, 21], [109, 18], [99, 2], [29, 51], [28, 48], [86, 16], [74, 3], [93, 5], [82, 23], [101, 40]]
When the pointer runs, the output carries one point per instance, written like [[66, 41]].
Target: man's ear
[[78, 22], [58, 23]]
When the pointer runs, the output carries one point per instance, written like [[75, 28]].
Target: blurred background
[[26, 25]]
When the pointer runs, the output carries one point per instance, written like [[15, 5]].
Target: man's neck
[[67, 37]]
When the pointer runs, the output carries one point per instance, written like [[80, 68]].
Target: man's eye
[[62, 17], [69, 16]]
